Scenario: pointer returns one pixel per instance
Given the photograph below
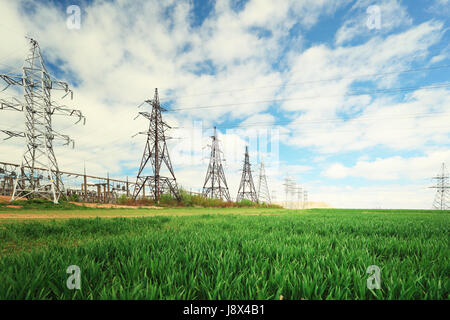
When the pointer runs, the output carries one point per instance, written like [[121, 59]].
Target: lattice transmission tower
[[288, 186], [263, 189], [215, 185], [442, 197], [305, 199], [38, 109], [247, 187], [157, 153], [299, 191]]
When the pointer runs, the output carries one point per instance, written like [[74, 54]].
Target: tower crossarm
[[11, 80], [19, 80], [149, 116], [65, 111], [58, 136], [13, 134], [59, 85], [11, 105]]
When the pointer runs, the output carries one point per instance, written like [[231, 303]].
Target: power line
[[306, 122], [381, 91], [318, 121], [378, 75]]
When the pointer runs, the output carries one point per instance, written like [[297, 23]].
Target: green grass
[[40, 204], [313, 254]]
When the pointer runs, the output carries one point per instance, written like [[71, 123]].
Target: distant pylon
[[263, 189], [247, 187], [299, 196], [288, 188], [38, 109], [442, 197], [157, 153], [215, 185], [305, 199]]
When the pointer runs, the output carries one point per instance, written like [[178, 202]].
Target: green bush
[[167, 199], [124, 200], [246, 203], [74, 198]]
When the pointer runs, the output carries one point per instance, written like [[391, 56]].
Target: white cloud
[[392, 168], [443, 55], [375, 120], [392, 15], [401, 196], [440, 7], [421, 120]]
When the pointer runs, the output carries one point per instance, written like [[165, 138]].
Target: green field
[[178, 253]]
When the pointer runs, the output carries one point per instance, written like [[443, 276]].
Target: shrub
[[246, 203], [74, 198], [188, 199], [124, 200], [167, 199]]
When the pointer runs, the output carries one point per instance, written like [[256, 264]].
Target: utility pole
[[215, 186], [442, 197], [157, 153], [38, 109], [263, 189], [247, 187]]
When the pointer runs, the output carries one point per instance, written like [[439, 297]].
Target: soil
[[5, 199]]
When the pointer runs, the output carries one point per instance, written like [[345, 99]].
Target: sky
[[351, 99]]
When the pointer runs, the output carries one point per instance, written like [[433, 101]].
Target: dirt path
[[5, 199]]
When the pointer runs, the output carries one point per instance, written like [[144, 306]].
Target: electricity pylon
[[274, 196], [263, 189], [247, 187], [288, 184], [442, 197], [38, 109], [215, 185], [299, 191], [305, 199], [157, 153]]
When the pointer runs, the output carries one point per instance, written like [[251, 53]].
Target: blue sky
[[354, 110]]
